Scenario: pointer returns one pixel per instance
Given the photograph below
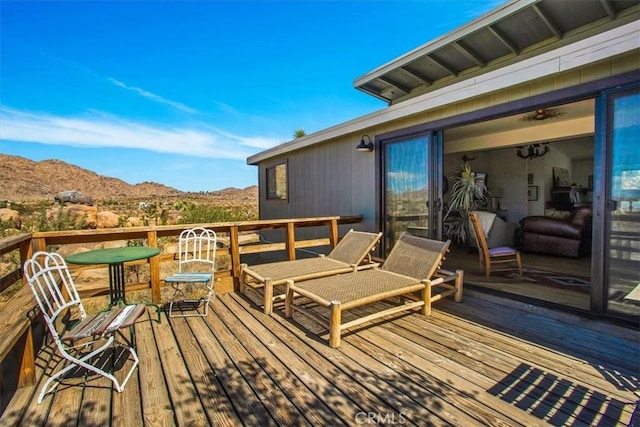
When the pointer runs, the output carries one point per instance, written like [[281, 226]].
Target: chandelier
[[532, 151]]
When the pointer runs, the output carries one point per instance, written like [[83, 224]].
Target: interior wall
[[508, 174]]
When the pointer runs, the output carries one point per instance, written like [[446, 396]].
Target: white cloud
[[101, 130], [255, 142], [154, 97]]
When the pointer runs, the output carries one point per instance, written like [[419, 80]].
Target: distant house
[[496, 92]]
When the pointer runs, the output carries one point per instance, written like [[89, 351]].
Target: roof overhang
[[508, 34], [599, 39]]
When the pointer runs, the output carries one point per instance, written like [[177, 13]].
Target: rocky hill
[[25, 180]]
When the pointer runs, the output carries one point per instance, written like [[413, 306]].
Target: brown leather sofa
[[569, 237]]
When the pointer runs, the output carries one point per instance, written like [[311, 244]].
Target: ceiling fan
[[543, 114]]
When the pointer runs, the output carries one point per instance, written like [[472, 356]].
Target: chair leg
[[426, 299], [210, 295], [334, 324], [288, 301], [519, 261], [173, 298], [204, 301], [243, 278], [268, 297], [74, 362], [459, 282]]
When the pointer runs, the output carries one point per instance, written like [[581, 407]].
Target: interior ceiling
[[575, 147], [510, 33], [571, 111]]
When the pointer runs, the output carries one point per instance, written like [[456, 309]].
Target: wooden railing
[[22, 244], [16, 314], [230, 231]]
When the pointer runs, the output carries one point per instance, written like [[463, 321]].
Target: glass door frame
[[434, 141], [603, 163], [598, 90]]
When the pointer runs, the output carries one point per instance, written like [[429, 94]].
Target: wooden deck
[[485, 361]]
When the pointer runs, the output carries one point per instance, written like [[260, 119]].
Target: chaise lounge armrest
[[551, 227]]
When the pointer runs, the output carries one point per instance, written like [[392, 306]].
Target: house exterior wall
[[324, 181], [331, 178]]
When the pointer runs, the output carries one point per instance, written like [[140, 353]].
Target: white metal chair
[[83, 342], [196, 251]]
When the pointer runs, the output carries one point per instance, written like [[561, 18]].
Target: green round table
[[115, 258]]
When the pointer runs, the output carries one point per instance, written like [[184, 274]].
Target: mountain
[[26, 180]]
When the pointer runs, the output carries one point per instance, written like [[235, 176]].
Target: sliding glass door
[[409, 189], [622, 204]]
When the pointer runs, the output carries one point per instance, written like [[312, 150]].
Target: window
[[277, 182]]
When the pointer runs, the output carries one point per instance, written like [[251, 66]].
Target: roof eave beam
[[503, 39], [547, 22], [606, 5], [395, 84], [441, 65], [473, 57], [419, 78]]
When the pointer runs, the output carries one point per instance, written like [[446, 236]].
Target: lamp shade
[[365, 145]]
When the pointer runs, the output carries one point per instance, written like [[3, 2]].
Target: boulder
[[10, 218], [87, 216], [134, 221], [73, 197], [107, 219]]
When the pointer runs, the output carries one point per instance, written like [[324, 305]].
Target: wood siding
[[335, 178]]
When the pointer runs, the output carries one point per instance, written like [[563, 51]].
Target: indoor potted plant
[[466, 195]]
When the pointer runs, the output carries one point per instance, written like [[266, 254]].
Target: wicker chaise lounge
[[345, 257], [413, 265]]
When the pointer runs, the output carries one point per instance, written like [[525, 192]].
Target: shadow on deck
[[486, 361]]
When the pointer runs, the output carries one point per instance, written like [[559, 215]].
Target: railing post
[[154, 269], [26, 251], [27, 363], [38, 244], [235, 254], [291, 241], [333, 232]]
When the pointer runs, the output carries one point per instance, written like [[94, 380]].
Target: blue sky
[[181, 93]]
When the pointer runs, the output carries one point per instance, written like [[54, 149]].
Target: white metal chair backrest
[[197, 245], [53, 287]]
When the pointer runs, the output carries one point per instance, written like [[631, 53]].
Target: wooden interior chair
[[499, 255], [196, 265], [82, 340]]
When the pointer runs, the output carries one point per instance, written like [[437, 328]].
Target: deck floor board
[[485, 361], [536, 344], [157, 410], [287, 369], [309, 366], [184, 397], [260, 371]]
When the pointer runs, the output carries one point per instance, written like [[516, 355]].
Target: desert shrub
[[193, 213], [60, 222]]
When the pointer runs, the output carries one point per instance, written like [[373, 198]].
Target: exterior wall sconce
[[533, 151], [365, 146]]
